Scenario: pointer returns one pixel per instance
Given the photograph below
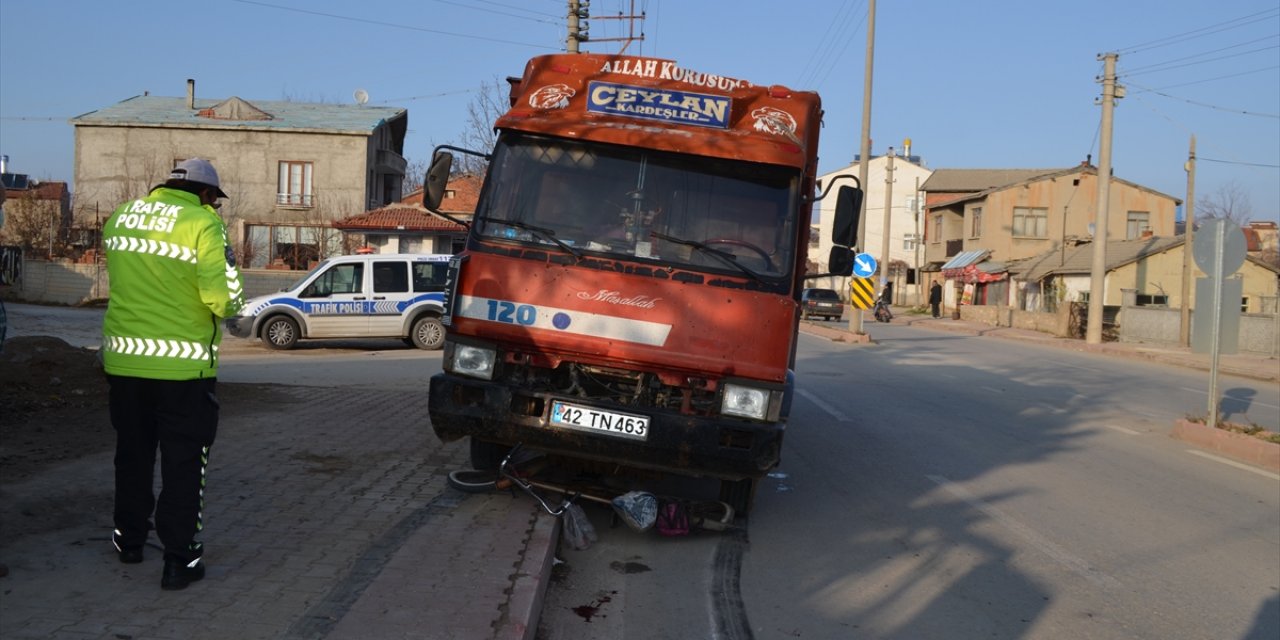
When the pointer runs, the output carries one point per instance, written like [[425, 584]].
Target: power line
[[1233, 75], [1203, 53], [555, 16], [1207, 105], [392, 24], [823, 45], [1247, 164], [1190, 64], [1203, 31]]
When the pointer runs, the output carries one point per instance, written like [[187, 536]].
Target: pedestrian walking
[[173, 278], [935, 299]]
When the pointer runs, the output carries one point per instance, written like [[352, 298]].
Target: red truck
[[630, 283]]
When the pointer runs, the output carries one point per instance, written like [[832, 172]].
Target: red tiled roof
[[397, 217], [465, 190]]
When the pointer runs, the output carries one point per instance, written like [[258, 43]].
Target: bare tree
[[1229, 201], [493, 99]]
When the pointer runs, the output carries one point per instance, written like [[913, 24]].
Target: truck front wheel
[[739, 494], [486, 456]]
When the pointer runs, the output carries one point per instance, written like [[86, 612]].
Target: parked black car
[[824, 303]]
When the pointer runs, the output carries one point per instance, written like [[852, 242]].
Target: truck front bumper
[[687, 445]]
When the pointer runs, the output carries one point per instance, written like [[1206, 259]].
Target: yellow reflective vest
[[173, 278]]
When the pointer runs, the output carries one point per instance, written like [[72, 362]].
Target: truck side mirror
[[844, 228], [840, 261], [437, 178]]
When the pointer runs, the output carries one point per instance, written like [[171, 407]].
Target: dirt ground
[[53, 405]]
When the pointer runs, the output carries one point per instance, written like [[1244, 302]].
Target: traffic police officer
[[173, 278]]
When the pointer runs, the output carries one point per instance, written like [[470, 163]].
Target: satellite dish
[[361, 96]]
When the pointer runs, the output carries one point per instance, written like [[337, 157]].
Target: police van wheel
[[428, 333], [280, 332]]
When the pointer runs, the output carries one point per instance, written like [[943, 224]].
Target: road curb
[[1237, 446], [529, 585]]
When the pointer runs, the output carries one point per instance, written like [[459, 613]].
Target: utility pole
[[888, 208], [1188, 220], [1098, 281], [631, 29], [578, 10], [864, 154]]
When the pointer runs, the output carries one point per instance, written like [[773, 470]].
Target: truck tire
[[427, 333], [486, 456], [739, 494], [280, 332]]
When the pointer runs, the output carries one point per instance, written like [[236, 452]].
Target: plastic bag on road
[[639, 509], [577, 528]]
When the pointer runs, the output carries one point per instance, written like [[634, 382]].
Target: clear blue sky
[[991, 84]]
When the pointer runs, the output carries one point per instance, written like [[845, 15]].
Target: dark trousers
[[934, 306], [181, 418]]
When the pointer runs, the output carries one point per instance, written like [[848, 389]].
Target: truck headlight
[[470, 360], [745, 402]]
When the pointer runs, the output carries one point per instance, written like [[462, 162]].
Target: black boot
[[178, 574], [127, 555]]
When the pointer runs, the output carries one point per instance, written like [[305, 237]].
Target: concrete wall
[[1002, 316], [1161, 326], [68, 283]]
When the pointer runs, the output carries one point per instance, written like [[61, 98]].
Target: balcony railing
[[300, 200]]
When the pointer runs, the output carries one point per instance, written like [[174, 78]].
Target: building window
[[910, 241], [936, 236], [976, 231], [1148, 300], [1135, 223], [1030, 222], [294, 187]]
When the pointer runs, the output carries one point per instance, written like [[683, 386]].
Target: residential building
[[290, 168], [905, 250], [976, 221], [407, 227], [1149, 269], [37, 213]]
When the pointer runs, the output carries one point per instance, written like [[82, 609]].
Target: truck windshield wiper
[[724, 256], [541, 232]]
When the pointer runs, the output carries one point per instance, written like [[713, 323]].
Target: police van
[[358, 296]]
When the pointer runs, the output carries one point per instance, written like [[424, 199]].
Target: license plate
[[621, 425]]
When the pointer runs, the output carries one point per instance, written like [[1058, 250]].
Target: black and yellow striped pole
[[862, 293]]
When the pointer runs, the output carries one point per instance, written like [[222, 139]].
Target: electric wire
[[1207, 105], [1204, 53], [393, 25], [1202, 31], [825, 43], [847, 41], [1127, 74], [1202, 139], [555, 16], [1232, 75], [1247, 164]]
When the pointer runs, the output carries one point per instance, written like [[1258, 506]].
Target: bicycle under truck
[[629, 288]]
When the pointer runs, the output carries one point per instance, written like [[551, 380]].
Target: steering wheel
[[764, 255]]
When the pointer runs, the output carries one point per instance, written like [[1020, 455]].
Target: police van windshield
[[704, 213]]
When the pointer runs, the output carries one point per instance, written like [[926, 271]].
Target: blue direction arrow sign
[[864, 265]]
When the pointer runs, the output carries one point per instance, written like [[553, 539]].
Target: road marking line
[[1238, 465], [1048, 547], [822, 404], [1123, 430]]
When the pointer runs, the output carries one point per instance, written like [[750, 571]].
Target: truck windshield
[[698, 212]]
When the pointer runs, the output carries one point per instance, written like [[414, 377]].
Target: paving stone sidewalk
[[328, 516]]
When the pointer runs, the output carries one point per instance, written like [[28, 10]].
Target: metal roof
[[159, 111], [965, 180], [966, 258]]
